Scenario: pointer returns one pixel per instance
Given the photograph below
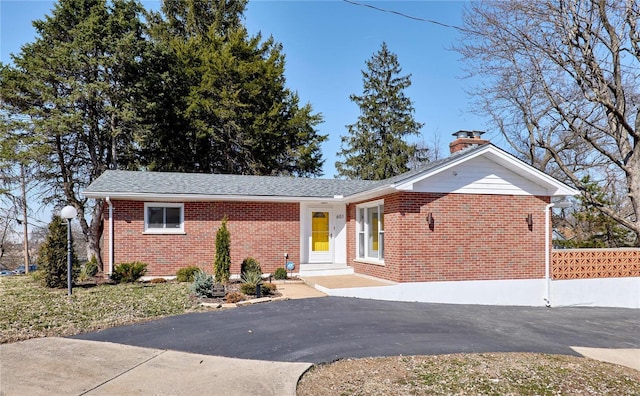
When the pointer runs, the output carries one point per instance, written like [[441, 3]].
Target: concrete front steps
[[310, 270]]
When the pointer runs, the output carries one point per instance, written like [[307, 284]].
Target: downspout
[[547, 255], [110, 235]]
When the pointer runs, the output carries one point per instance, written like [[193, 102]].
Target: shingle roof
[[116, 181], [170, 183]]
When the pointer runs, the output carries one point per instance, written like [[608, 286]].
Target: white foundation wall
[[616, 292], [599, 292], [529, 292]]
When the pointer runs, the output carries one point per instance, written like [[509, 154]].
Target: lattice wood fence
[[595, 263]]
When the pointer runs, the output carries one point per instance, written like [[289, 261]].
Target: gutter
[[110, 234], [158, 197], [547, 254]]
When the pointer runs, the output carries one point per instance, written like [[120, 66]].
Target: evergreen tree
[[52, 257], [69, 100], [222, 265], [375, 148], [589, 226], [234, 111]]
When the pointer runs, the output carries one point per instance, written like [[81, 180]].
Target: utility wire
[[408, 16]]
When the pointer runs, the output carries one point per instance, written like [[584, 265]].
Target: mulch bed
[[231, 287]]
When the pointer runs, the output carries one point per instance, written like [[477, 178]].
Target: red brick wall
[[475, 237], [261, 230]]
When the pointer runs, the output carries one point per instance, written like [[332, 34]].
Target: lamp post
[[69, 212], [547, 248]]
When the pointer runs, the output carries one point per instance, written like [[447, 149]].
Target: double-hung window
[[163, 218], [370, 226]]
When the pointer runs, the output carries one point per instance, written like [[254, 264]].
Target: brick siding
[[475, 237], [261, 230]]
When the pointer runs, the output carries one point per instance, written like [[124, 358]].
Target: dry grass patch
[[471, 374], [29, 310]]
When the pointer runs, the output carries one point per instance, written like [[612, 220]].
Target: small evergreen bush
[[250, 265], [187, 274], [52, 256], [280, 273], [222, 264], [202, 285], [129, 272]]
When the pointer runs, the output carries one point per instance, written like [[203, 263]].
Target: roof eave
[[369, 194], [158, 197], [555, 187]]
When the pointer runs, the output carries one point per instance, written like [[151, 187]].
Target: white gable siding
[[479, 176]]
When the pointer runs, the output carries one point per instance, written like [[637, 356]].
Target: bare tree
[[561, 84]]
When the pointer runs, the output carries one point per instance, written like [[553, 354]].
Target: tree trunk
[[93, 232], [633, 184]]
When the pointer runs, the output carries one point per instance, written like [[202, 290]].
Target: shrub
[[89, 269], [252, 278], [52, 256], [128, 272], [37, 275], [280, 273], [222, 264], [202, 285], [158, 280], [234, 297], [265, 288], [250, 265], [247, 288], [187, 274], [249, 282], [268, 288]]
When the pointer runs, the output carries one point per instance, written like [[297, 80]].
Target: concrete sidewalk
[[293, 289], [59, 366], [345, 281], [629, 357]]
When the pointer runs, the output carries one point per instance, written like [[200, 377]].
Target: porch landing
[[321, 270], [344, 281]]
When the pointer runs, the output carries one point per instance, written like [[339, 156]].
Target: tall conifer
[[375, 147], [235, 113], [68, 102]]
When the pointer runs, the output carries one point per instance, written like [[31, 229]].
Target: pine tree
[[69, 101], [234, 111], [222, 265], [375, 148], [52, 257]]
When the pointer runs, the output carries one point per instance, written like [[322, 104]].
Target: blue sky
[[326, 44]]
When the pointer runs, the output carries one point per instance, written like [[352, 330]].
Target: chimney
[[466, 139]]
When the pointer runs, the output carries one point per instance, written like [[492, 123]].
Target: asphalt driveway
[[325, 329]]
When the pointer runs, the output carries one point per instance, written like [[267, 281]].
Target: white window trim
[[367, 258], [148, 230]]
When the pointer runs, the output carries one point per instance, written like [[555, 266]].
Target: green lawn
[[29, 310]]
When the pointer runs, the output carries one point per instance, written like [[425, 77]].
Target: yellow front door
[[320, 231]]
